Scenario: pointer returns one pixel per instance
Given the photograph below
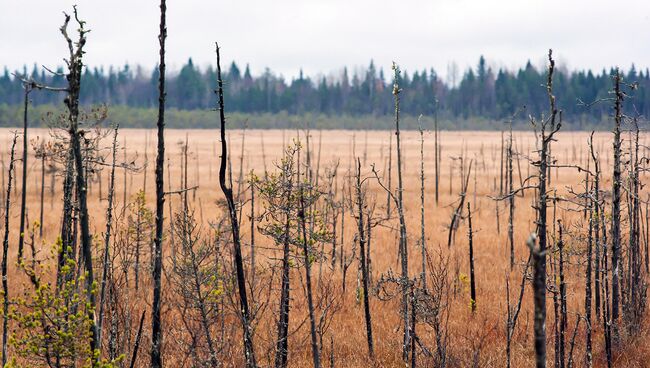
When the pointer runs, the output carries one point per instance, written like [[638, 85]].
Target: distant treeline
[[479, 100]]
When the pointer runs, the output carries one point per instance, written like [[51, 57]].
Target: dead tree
[[107, 239], [249, 350], [307, 259], [513, 313], [28, 87], [472, 281], [457, 215], [423, 275], [545, 131], [5, 249], [563, 301], [156, 321], [511, 197], [364, 262], [402, 221], [616, 198], [436, 150], [75, 66]]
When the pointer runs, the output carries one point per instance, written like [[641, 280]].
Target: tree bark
[[156, 321], [249, 350]]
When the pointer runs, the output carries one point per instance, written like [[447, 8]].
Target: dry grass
[[347, 331]]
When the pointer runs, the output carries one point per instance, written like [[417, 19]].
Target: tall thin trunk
[[364, 264], [156, 321], [5, 249], [563, 301], [136, 345], [252, 220], [616, 199], [282, 349], [75, 66], [307, 259], [472, 280], [436, 151], [40, 229], [539, 254], [390, 174], [107, 240], [23, 194], [402, 222], [511, 201], [423, 274], [588, 278], [249, 350]]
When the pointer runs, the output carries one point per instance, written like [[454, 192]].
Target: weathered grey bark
[[436, 150], [563, 301], [457, 214], [413, 321], [588, 278], [364, 264], [596, 229], [23, 194], [282, 349], [511, 200], [252, 221], [616, 199], [307, 260], [249, 350], [402, 221], [107, 239], [75, 66], [539, 253], [390, 174], [67, 235], [514, 315], [423, 275], [5, 249], [156, 321]]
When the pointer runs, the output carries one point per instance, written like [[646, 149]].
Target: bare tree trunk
[[436, 149], [40, 229], [107, 240], [252, 220], [390, 174], [423, 275], [402, 222], [23, 197], [136, 345], [616, 201], [472, 281], [249, 350], [588, 288], [539, 254], [563, 301], [75, 66], [282, 349], [511, 202], [5, 249], [364, 264], [513, 315], [156, 321], [306, 258]]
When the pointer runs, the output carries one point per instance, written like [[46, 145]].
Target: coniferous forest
[[481, 94]]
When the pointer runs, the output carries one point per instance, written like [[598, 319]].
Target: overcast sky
[[321, 36]]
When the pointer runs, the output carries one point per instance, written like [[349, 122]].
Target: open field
[[474, 338]]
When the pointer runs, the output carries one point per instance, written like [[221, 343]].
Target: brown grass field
[[475, 338]]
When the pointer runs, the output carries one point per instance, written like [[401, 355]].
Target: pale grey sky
[[321, 36]]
